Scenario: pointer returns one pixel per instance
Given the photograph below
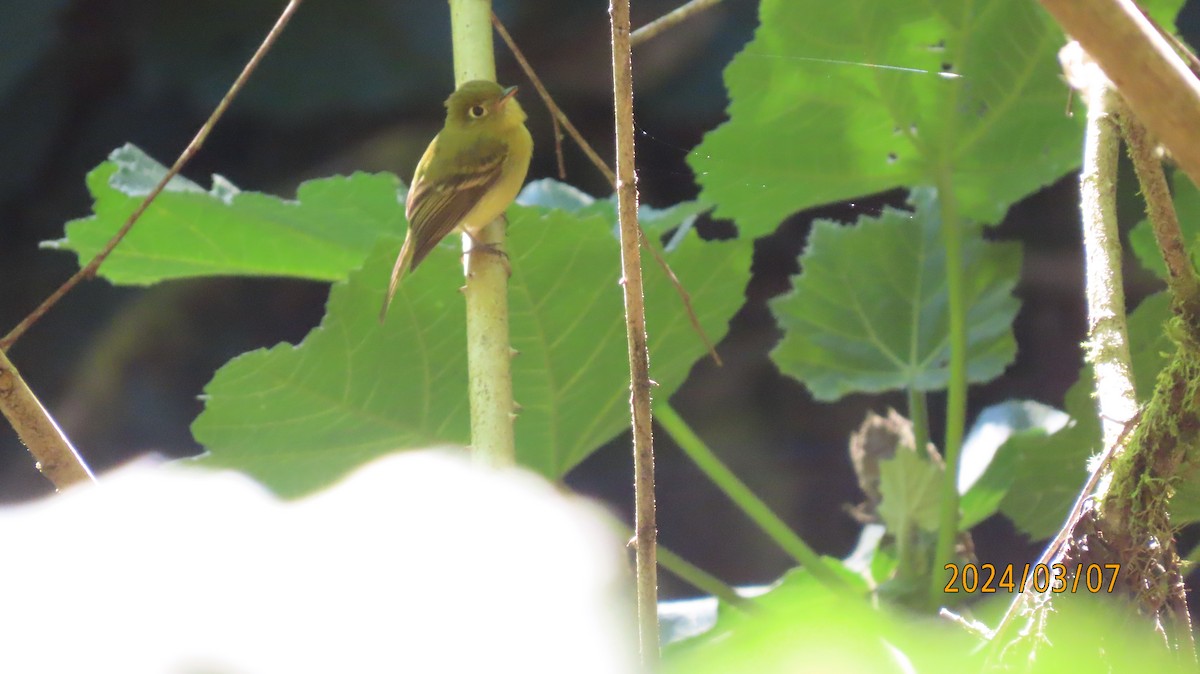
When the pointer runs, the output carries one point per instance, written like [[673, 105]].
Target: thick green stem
[[471, 32], [956, 388], [745, 499], [489, 354]]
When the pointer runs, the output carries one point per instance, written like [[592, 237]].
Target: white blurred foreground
[[421, 562]]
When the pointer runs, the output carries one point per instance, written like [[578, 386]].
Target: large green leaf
[[189, 231], [869, 309], [834, 100], [321, 235], [982, 454], [297, 417]]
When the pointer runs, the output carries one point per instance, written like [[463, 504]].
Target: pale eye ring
[[477, 111]]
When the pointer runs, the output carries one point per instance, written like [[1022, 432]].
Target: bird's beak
[[508, 93]]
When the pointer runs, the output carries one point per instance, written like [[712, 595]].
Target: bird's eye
[[477, 111]]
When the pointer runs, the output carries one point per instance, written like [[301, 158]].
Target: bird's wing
[[448, 189]]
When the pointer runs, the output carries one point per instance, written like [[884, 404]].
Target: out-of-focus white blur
[[420, 562]]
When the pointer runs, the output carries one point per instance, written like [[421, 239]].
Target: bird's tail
[[403, 264]]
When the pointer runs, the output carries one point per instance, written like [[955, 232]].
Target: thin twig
[[555, 111], [558, 153], [646, 531], [557, 114], [89, 270], [55, 456], [668, 20], [683, 295]]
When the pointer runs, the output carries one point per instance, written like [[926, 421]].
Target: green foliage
[[830, 101], [796, 593], [867, 97], [1162, 11], [910, 485], [190, 232], [1040, 474], [833, 101], [981, 455], [803, 627], [1091, 633], [298, 417], [869, 309]]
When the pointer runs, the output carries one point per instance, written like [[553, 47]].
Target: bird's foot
[[482, 248]]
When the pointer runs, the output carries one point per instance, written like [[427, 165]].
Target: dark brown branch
[[645, 529]]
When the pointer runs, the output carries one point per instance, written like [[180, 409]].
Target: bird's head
[[483, 104]]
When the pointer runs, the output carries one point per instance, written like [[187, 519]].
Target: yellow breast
[[512, 177]]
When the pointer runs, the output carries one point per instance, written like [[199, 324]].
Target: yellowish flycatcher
[[469, 174]]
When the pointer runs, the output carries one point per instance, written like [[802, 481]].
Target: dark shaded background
[[358, 86]]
